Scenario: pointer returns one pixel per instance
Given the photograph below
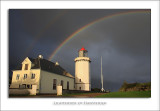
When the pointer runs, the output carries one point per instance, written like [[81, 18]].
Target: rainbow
[[69, 38]]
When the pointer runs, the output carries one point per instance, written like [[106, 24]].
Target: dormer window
[[26, 66]]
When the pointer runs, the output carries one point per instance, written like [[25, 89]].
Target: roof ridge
[[46, 65]]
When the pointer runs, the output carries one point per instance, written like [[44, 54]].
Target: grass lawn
[[129, 94]]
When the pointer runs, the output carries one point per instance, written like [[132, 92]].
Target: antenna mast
[[102, 77]]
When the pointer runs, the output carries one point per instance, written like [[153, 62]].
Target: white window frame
[[18, 76], [33, 76], [25, 76]]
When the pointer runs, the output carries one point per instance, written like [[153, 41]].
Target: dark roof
[[19, 67], [48, 66], [31, 59]]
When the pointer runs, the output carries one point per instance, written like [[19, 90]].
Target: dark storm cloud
[[122, 41]]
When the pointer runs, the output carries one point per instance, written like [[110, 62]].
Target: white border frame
[[112, 103]]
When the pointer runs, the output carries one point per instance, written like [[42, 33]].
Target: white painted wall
[[46, 82], [15, 83], [82, 71]]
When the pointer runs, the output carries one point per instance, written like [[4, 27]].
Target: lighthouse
[[82, 71]]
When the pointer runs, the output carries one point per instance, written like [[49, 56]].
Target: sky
[[121, 36]]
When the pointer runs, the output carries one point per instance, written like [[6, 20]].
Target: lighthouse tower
[[82, 71]]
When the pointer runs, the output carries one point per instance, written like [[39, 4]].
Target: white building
[[43, 73]]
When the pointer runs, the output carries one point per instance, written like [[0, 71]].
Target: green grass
[[129, 94]]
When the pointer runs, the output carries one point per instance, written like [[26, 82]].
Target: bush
[[135, 86]]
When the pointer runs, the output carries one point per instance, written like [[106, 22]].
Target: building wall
[[84, 87], [82, 71], [15, 83], [46, 82]]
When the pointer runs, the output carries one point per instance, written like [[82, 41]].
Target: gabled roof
[[48, 66]]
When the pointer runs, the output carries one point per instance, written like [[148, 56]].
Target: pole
[[101, 76]]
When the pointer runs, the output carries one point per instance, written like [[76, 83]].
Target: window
[[79, 88], [79, 80], [23, 86], [54, 83], [33, 76], [17, 77], [25, 76], [26, 66], [67, 85], [62, 83], [28, 86], [31, 86]]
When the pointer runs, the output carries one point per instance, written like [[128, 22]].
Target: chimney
[[40, 57], [57, 64]]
